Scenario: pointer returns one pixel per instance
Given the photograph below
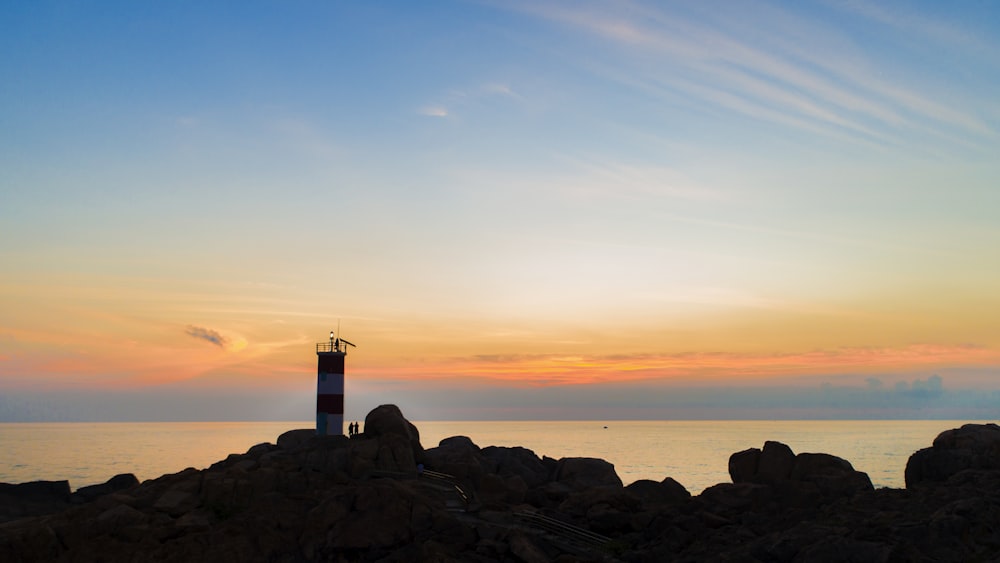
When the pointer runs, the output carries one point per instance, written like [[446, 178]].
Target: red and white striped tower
[[330, 386]]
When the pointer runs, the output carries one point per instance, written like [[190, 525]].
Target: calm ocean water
[[695, 453]]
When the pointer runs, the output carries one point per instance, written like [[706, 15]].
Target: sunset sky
[[515, 209]]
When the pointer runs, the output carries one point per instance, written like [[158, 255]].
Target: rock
[[585, 472], [737, 496], [33, 498], [313, 499], [743, 465], [120, 515], [802, 478], [601, 509], [980, 437], [119, 482], [845, 550], [652, 493], [361, 461], [295, 438], [463, 442], [260, 449], [387, 420], [807, 465], [492, 491], [520, 462], [395, 453], [775, 463], [973, 446], [549, 494], [526, 550], [459, 457], [833, 475], [176, 502]]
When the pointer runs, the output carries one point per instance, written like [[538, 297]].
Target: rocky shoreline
[[380, 496]]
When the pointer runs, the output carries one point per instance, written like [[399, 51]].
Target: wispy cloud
[[433, 111], [501, 89], [455, 100], [207, 335], [934, 30], [770, 68]]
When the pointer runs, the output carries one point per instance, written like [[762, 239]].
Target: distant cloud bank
[[919, 398]]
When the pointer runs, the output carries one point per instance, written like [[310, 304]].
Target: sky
[[515, 210]]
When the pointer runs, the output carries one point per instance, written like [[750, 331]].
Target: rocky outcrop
[[653, 493], [586, 472], [973, 446], [117, 483], [45, 497], [36, 497], [800, 479], [311, 498]]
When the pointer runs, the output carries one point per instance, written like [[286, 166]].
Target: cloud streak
[[565, 369], [434, 111], [789, 78], [207, 335]]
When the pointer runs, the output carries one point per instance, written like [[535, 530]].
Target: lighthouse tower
[[330, 386]]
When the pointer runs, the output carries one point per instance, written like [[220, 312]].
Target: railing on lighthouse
[[330, 386]]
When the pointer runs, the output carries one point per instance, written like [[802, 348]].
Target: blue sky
[[526, 195]]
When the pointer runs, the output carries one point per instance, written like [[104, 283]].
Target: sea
[[694, 453]]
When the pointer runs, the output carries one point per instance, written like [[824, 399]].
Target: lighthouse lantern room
[[330, 386]]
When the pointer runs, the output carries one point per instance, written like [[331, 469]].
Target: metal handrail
[[563, 529], [449, 479]]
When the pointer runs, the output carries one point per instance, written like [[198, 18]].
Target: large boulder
[[601, 509], [586, 472], [32, 498], [802, 476], [833, 476], [399, 439], [743, 465], [653, 493], [519, 462], [119, 482], [386, 420], [973, 446], [776, 462], [295, 438], [459, 457]]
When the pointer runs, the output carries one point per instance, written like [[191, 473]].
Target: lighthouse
[[330, 386]]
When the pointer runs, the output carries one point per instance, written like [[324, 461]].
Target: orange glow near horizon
[[77, 336], [96, 361], [714, 368]]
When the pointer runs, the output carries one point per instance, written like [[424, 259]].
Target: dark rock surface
[[310, 498], [973, 446], [36, 497]]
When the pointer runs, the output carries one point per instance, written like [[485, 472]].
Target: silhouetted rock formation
[[973, 446], [36, 497], [333, 498], [45, 497]]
